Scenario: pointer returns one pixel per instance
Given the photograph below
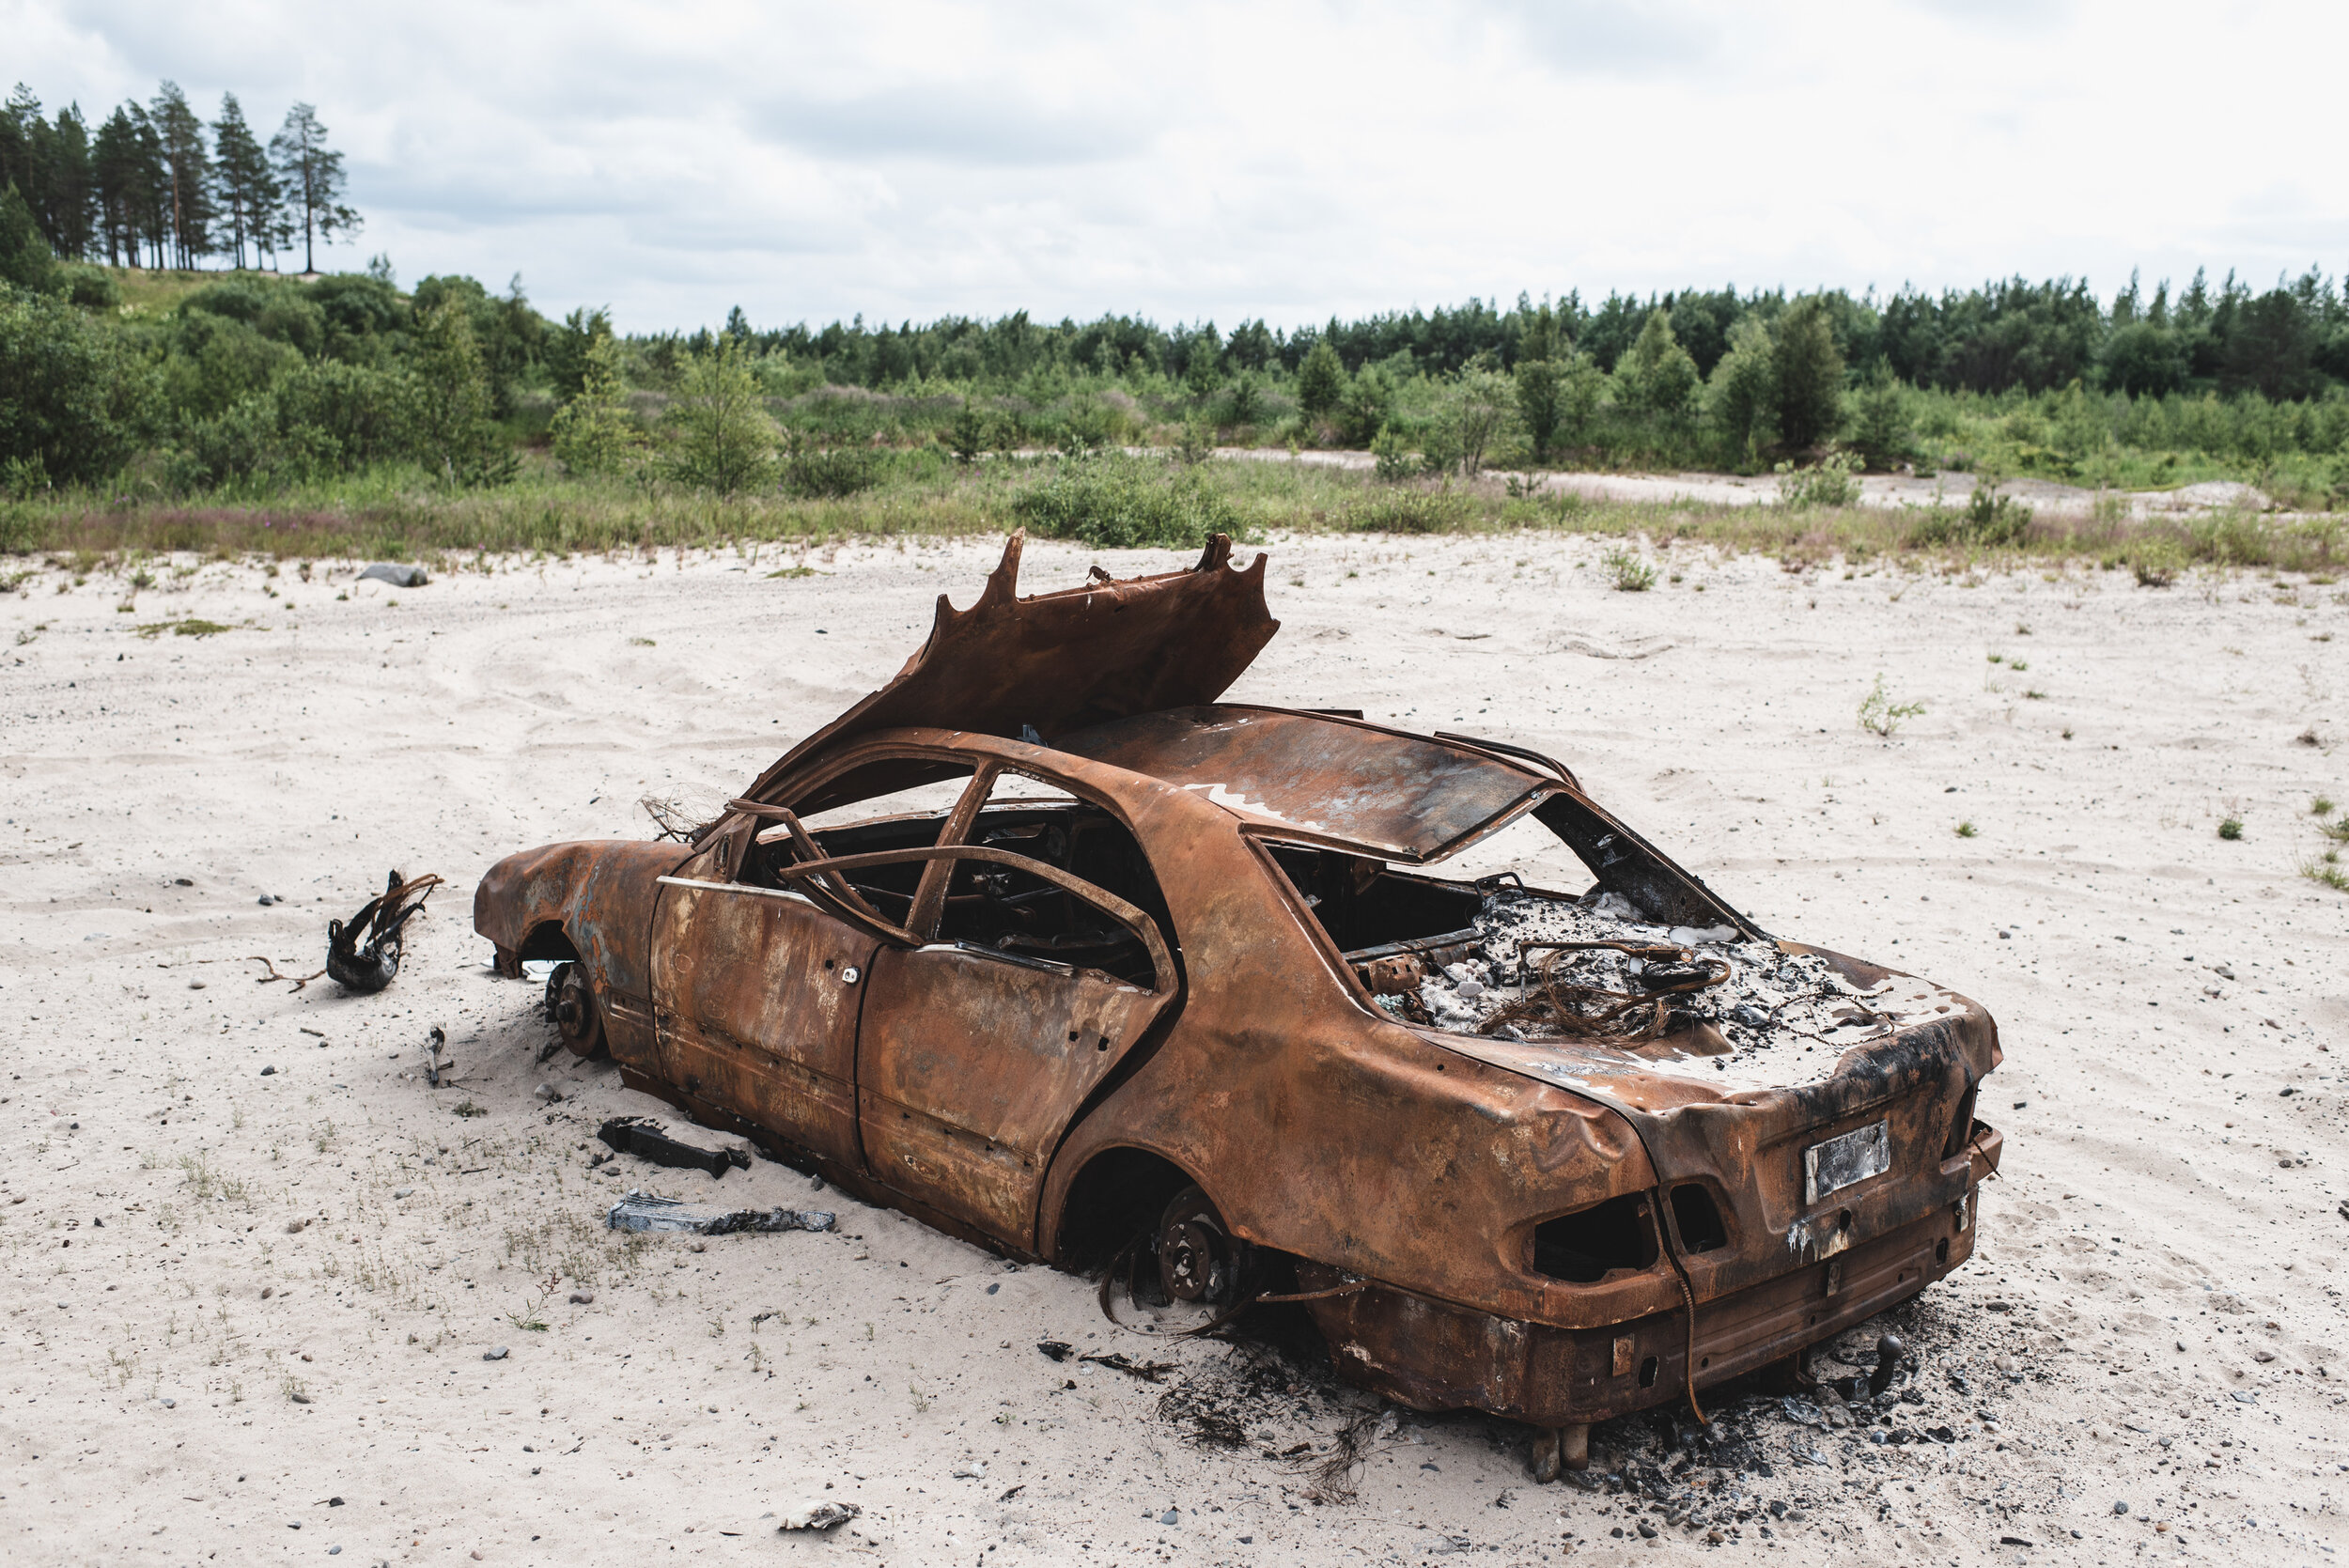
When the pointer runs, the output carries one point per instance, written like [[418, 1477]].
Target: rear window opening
[[1697, 1219], [1586, 1245], [1366, 906]]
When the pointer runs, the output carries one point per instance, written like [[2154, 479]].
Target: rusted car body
[[1176, 991]]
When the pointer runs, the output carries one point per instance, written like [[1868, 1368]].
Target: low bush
[[1404, 511], [1119, 503]]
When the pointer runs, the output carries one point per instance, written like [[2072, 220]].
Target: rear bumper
[[1433, 1355]]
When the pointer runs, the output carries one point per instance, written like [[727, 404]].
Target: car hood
[[1055, 662]]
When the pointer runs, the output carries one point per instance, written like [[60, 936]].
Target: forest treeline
[[128, 368], [155, 185]]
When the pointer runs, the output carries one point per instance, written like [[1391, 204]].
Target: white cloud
[[1292, 160]]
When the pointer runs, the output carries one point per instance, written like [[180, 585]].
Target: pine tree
[[125, 179], [247, 187], [1808, 372], [188, 169], [72, 214], [457, 434], [1658, 373], [1321, 380], [593, 433], [719, 435], [1742, 393], [312, 177], [18, 116]]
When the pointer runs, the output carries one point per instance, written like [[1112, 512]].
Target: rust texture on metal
[[1180, 998]]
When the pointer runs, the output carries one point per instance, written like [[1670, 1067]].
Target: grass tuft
[[1880, 715], [1628, 574]]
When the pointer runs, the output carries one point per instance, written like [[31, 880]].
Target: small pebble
[[2119, 1508], [495, 1355], [1170, 1518], [195, 984], [582, 1297], [266, 900], [269, 1072], [169, 1403], [402, 1192]]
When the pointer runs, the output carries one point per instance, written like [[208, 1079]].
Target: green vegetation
[[1880, 715], [145, 405], [2231, 829], [1628, 574]]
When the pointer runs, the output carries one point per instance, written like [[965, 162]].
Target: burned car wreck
[[1155, 965]]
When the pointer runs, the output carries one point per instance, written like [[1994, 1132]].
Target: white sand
[[2165, 1241]]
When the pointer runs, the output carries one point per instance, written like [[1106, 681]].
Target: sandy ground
[[1887, 491], [246, 1311]]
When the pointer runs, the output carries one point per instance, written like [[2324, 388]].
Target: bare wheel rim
[[571, 1003], [1199, 1259]]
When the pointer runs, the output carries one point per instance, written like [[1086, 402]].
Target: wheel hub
[[1190, 1261]]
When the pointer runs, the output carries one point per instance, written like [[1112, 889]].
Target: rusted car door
[[972, 1061], [756, 996]]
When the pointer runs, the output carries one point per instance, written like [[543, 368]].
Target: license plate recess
[[1846, 1161]]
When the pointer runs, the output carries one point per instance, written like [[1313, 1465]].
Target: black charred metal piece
[[363, 953]]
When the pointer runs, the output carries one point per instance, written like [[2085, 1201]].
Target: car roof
[[1125, 673], [1396, 795]]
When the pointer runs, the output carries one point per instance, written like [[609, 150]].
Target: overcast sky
[[808, 161]]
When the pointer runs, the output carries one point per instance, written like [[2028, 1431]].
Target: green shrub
[[457, 434], [1320, 380], [25, 259], [719, 437], [1807, 375], [1392, 457], [2155, 562], [1880, 423], [1362, 409], [1243, 401], [593, 433], [1656, 376], [1626, 573], [1541, 393], [1742, 391], [1194, 443], [1826, 483], [816, 469], [90, 288], [1994, 518], [971, 433], [1409, 512], [1880, 715], [1116, 502], [1476, 407], [73, 399]]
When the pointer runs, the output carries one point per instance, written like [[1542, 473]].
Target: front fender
[[600, 895]]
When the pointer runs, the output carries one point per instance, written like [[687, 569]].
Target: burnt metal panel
[[1059, 661], [601, 894], [1432, 1355], [971, 1064], [1403, 796], [758, 999]]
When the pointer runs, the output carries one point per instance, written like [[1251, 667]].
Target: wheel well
[[1118, 1195], [547, 939]]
